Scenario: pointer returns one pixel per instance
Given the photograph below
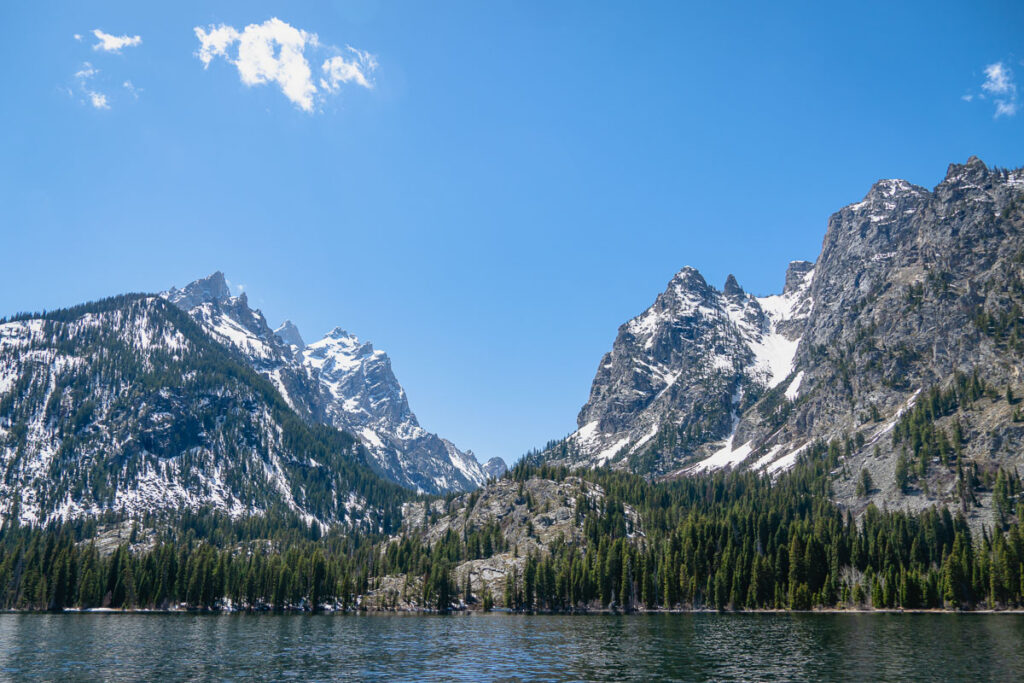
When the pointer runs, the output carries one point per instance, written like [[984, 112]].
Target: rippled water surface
[[500, 646]]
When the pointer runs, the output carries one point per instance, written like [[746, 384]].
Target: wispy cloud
[[338, 70], [85, 75], [87, 71], [275, 52], [111, 43], [93, 89], [999, 87]]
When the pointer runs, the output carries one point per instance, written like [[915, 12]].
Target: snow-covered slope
[[365, 397], [680, 373], [339, 381], [127, 406]]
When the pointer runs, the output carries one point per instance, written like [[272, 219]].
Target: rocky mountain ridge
[[680, 374], [916, 292], [337, 380], [128, 407]]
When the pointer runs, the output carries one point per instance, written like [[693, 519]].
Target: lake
[[128, 647]]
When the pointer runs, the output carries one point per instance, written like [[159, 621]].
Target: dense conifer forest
[[726, 541]]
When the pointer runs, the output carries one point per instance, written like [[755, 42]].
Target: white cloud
[[1005, 108], [98, 100], [78, 37], [85, 76], [109, 43], [998, 80], [338, 70], [275, 52], [215, 43], [87, 71], [999, 84]]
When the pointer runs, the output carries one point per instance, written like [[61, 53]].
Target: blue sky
[[484, 190]]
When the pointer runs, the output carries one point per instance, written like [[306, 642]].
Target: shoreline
[[477, 612]]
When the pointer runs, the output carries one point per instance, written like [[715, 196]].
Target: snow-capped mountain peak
[[683, 369], [338, 380], [209, 289]]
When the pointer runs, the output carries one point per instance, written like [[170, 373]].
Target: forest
[[722, 541]]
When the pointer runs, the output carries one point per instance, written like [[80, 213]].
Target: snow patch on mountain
[[338, 380], [686, 365]]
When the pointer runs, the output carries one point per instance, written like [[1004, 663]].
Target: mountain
[[339, 381], [495, 468], [127, 406], [902, 344], [681, 373]]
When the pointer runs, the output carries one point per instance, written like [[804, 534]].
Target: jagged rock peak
[[340, 333], [209, 289], [685, 285], [974, 169], [289, 334], [343, 339], [689, 274], [732, 288], [795, 274]]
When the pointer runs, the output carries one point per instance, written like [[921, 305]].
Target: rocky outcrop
[[530, 516]]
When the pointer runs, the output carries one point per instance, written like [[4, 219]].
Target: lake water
[[128, 647]]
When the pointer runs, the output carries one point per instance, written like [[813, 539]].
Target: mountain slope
[[680, 373], [338, 381], [902, 344], [127, 406], [915, 293]]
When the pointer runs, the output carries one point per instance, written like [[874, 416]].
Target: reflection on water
[[500, 646]]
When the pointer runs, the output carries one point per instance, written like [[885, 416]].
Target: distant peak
[[732, 287], [209, 289], [689, 274], [289, 334]]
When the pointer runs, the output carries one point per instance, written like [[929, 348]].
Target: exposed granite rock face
[[911, 288], [210, 288], [796, 273], [901, 283], [339, 381], [680, 374]]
